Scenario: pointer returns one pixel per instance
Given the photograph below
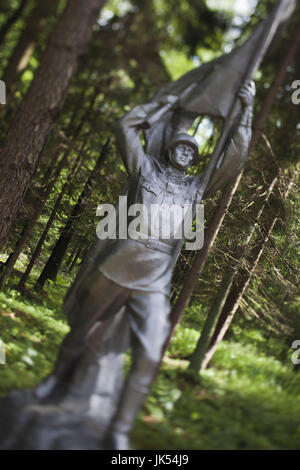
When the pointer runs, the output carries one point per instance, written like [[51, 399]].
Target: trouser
[[148, 315]]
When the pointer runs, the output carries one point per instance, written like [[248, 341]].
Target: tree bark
[[201, 257], [9, 265], [225, 291], [71, 257], [225, 199], [211, 320], [41, 105], [45, 194], [12, 19], [53, 264], [182, 268], [65, 187], [79, 251], [235, 295], [24, 49], [239, 286]]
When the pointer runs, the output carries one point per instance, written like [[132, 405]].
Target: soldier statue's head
[[183, 151]]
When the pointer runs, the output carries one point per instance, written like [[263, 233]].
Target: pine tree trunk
[[71, 257], [225, 291], [41, 105], [53, 264], [65, 187], [239, 286], [44, 196], [9, 265], [12, 19], [235, 295], [79, 251], [180, 275], [201, 257], [211, 320], [24, 49], [225, 199]]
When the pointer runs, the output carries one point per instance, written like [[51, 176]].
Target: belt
[[155, 244]]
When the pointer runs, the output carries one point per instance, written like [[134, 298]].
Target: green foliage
[[183, 342], [245, 401], [32, 335], [250, 396]]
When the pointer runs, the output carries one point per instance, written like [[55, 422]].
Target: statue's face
[[182, 156]]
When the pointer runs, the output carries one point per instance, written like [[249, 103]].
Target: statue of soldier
[[124, 283], [136, 272]]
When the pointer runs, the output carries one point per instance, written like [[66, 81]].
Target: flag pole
[[281, 12]]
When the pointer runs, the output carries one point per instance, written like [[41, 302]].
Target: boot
[[130, 404], [66, 359]]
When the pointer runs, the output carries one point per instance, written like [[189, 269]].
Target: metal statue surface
[[136, 273], [120, 297]]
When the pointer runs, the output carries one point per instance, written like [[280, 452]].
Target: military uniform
[[137, 273]]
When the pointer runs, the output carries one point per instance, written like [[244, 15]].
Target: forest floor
[[247, 399]]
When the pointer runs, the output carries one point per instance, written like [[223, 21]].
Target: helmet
[[182, 138]]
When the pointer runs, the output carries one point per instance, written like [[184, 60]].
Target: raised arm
[[236, 153], [128, 130]]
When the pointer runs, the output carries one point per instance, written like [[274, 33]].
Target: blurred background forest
[[228, 380]]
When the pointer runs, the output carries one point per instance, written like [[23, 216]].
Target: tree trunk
[[65, 187], [211, 320], [201, 257], [235, 295], [228, 193], [53, 264], [79, 251], [41, 105], [290, 52], [44, 196], [225, 290], [12, 19], [24, 49], [182, 268], [71, 257], [9, 265], [239, 287]]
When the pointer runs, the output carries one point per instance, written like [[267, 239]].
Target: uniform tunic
[[147, 265]]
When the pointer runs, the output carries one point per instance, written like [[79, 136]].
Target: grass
[[248, 399], [245, 401], [32, 334]]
